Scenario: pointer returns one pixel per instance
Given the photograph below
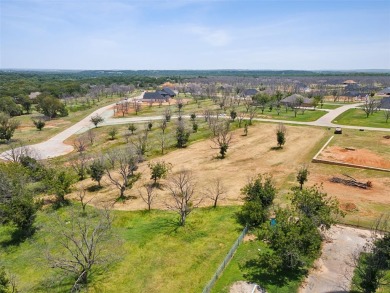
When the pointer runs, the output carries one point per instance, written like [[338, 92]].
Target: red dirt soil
[[358, 157]]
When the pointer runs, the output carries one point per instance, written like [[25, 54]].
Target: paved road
[[55, 146]]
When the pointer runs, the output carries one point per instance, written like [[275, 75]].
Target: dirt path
[[331, 273]]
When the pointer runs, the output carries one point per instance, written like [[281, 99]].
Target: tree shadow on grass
[[17, 237], [253, 272]]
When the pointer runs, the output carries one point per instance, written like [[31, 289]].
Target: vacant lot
[[248, 156]]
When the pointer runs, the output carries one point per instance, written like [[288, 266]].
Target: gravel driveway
[[331, 273]]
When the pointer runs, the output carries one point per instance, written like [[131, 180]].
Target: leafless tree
[[81, 194], [248, 103], [83, 241], [91, 136], [179, 105], [137, 106], [163, 126], [168, 114], [252, 113], [215, 191], [368, 107], [80, 165], [80, 144], [149, 196], [17, 152], [182, 192], [386, 113], [140, 142], [124, 162], [222, 138], [240, 118]]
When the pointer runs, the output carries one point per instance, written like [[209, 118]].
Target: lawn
[[358, 117], [152, 254], [330, 106]]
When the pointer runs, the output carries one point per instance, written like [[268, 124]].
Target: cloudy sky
[[195, 34]]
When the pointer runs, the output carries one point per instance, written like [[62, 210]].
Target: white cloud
[[213, 37]]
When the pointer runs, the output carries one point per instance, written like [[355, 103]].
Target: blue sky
[[195, 34]]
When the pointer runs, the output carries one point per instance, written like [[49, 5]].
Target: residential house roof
[[293, 98], [385, 103], [250, 92], [384, 92], [349, 81], [170, 92], [153, 96]]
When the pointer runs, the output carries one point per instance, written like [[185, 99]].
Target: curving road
[[55, 146]]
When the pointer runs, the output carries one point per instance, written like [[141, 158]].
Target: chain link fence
[[225, 262]]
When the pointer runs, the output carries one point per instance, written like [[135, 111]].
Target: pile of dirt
[[387, 137], [362, 157]]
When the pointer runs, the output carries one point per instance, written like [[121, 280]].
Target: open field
[[358, 117], [247, 156], [151, 254]]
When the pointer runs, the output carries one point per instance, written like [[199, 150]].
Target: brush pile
[[350, 181]]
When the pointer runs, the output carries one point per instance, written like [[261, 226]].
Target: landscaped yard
[[358, 117], [152, 253]]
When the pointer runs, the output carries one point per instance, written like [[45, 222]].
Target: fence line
[[225, 262]]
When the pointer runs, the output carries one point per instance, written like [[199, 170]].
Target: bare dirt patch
[[362, 157]]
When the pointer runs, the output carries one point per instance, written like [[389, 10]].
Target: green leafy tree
[[259, 194], [132, 128], [7, 126], [281, 135], [262, 100], [25, 102], [8, 105], [96, 120], [50, 106], [182, 135], [302, 175], [316, 205], [112, 133], [294, 241], [193, 117], [233, 114], [96, 170], [59, 182], [159, 170], [17, 204], [39, 124]]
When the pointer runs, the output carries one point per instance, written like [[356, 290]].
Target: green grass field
[[358, 117], [153, 253]]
